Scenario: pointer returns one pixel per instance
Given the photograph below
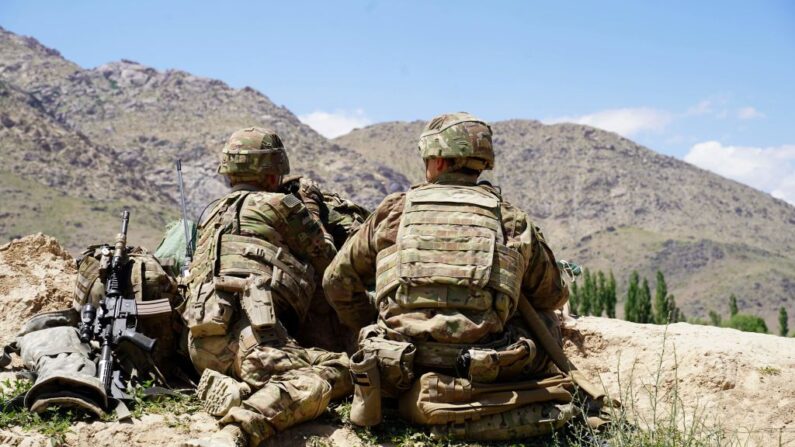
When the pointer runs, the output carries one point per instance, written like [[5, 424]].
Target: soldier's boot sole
[[219, 393]]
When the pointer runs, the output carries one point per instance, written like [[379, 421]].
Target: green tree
[[586, 301], [644, 304], [610, 297], [783, 327], [714, 318], [662, 306], [574, 299], [732, 305], [598, 304], [747, 323], [631, 303], [676, 314]]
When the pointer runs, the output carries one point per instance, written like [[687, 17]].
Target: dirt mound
[[36, 275], [736, 380]]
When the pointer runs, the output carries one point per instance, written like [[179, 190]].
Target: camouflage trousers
[[290, 384]]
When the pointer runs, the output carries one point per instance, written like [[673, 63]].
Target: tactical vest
[[223, 253], [450, 252]]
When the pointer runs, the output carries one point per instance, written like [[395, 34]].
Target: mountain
[[609, 203], [78, 145], [127, 123]]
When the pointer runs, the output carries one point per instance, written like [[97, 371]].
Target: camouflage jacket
[[353, 271]]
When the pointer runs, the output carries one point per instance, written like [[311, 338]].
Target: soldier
[[448, 261], [258, 259]]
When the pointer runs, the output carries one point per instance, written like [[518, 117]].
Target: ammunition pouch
[[366, 378], [438, 399], [209, 310], [395, 362], [491, 365]]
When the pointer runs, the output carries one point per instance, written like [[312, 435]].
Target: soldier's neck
[[247, 187], [456, 178]]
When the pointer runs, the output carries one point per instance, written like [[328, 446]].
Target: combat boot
[[230, 436], [219, 393], [366, 406]]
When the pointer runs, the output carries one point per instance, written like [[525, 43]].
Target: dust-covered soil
[[36, 275], [739, 381]]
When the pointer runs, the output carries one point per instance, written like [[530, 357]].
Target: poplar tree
[[610, 302], [662, 306], [598, 304], [587, 293], [783, 327], [676, 314], [714, 318], [644, 303], [732, 305], [631, 303], [574, 299]]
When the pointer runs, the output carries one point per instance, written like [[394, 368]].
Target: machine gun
[[116, 319]]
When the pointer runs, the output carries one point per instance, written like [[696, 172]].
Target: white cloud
[[770, 169], [334, 124], [749, 113], [626, 121], [702, 108]]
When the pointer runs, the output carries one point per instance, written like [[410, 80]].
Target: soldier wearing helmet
[[258, 260], [432, 280]]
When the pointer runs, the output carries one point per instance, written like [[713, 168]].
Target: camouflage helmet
[[253, 152], [459, 136]]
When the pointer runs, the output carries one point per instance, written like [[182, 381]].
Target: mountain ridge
[[80, 144]]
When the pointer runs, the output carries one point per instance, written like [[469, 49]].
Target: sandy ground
[[739, 381]]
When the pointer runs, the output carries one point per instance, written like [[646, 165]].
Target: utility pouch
[[436, 399], [395, 361], [366, 405], [257, 302], [489, 365], [209, 311]]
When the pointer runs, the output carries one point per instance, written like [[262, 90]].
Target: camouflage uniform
[[448, 261], [338, 217], [268, 246]]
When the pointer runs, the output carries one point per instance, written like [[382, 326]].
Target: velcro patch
[[290, 201]]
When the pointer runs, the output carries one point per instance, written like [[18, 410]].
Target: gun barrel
[[125, 221], [105, 366]]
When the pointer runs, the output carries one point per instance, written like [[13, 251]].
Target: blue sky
[[710, 82]]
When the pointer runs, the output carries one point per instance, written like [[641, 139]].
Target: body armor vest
[[450, 252], [223, 254]]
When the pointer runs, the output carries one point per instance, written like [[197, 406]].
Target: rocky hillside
[[609, 203], [141, 120]]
